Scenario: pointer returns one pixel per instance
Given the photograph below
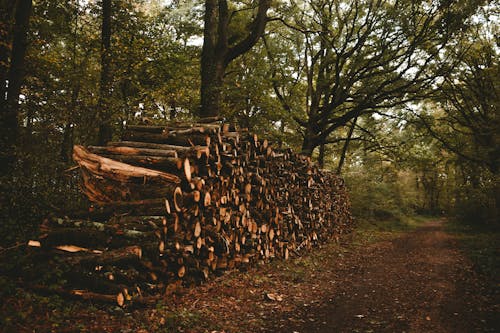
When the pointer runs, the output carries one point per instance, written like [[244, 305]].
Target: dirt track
[[419, 282], [410, 282]]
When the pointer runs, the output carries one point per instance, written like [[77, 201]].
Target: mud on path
[[419, 282]]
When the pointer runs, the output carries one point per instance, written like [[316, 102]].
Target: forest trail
[[419, 282], [377, 281]]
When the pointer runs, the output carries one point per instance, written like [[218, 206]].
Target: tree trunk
[[309, 143], [103, 108], [10, 105], [67, 142], [211, 56], [217, 54], [211, 87], [6, 15], [321, 157], [346, 146]]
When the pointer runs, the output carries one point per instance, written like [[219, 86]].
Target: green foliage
[[318, 61], [154, 70], [376, 195], [480, 243]]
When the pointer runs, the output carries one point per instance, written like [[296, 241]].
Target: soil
[[417, 281]]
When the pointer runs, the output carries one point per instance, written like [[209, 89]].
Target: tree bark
[[346, 146], [103, 108], [6, 22], [10, 103], [217, 54], [309, 143], [321, 157]]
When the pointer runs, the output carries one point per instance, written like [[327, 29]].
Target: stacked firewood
[[184, 201]]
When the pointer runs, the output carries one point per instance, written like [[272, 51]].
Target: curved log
[[111, 169]]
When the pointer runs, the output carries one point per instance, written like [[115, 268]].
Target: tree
[[103, 107], [364, 57], [222, 43], [469, 101], [463, 117], [15, 75]]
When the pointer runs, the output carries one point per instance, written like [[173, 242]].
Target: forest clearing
[[249, 166]]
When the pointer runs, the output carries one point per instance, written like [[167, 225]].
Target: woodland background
[[399, 97]]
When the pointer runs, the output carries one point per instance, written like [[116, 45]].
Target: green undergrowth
[[481, 244], [371, 230]]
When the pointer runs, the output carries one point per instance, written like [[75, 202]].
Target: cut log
[[172, 139], [124, 150], [175, 127], [140, 207], [104, 190], [118, 171], [182, 151], [128, 254], [171, 165]]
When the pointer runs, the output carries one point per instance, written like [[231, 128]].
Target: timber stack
[[187, 200]]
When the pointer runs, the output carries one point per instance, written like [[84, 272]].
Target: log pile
[[184, 201]]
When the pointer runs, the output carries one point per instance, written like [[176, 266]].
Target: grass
[[369, 230]]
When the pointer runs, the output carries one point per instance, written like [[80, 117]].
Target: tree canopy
[[377, 90]]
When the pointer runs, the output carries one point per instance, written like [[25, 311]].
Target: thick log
[[110, 228], [118, 171], [122, 298], [104, 190], [86, 238], [157, 206], [176, 126], [168, 164], [182, 151], [124, 150], [112, 257], [195, 152], [210, 119], [173, 139]]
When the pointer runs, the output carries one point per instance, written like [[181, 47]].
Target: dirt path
[[419, 282], [410, 282]]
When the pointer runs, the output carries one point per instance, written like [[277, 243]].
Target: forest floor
[[419, 279]]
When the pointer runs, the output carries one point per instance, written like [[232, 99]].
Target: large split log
[[177, 127], [157, 206], [118, 171]]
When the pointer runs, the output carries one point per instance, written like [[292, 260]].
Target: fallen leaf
[[273, 297]]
